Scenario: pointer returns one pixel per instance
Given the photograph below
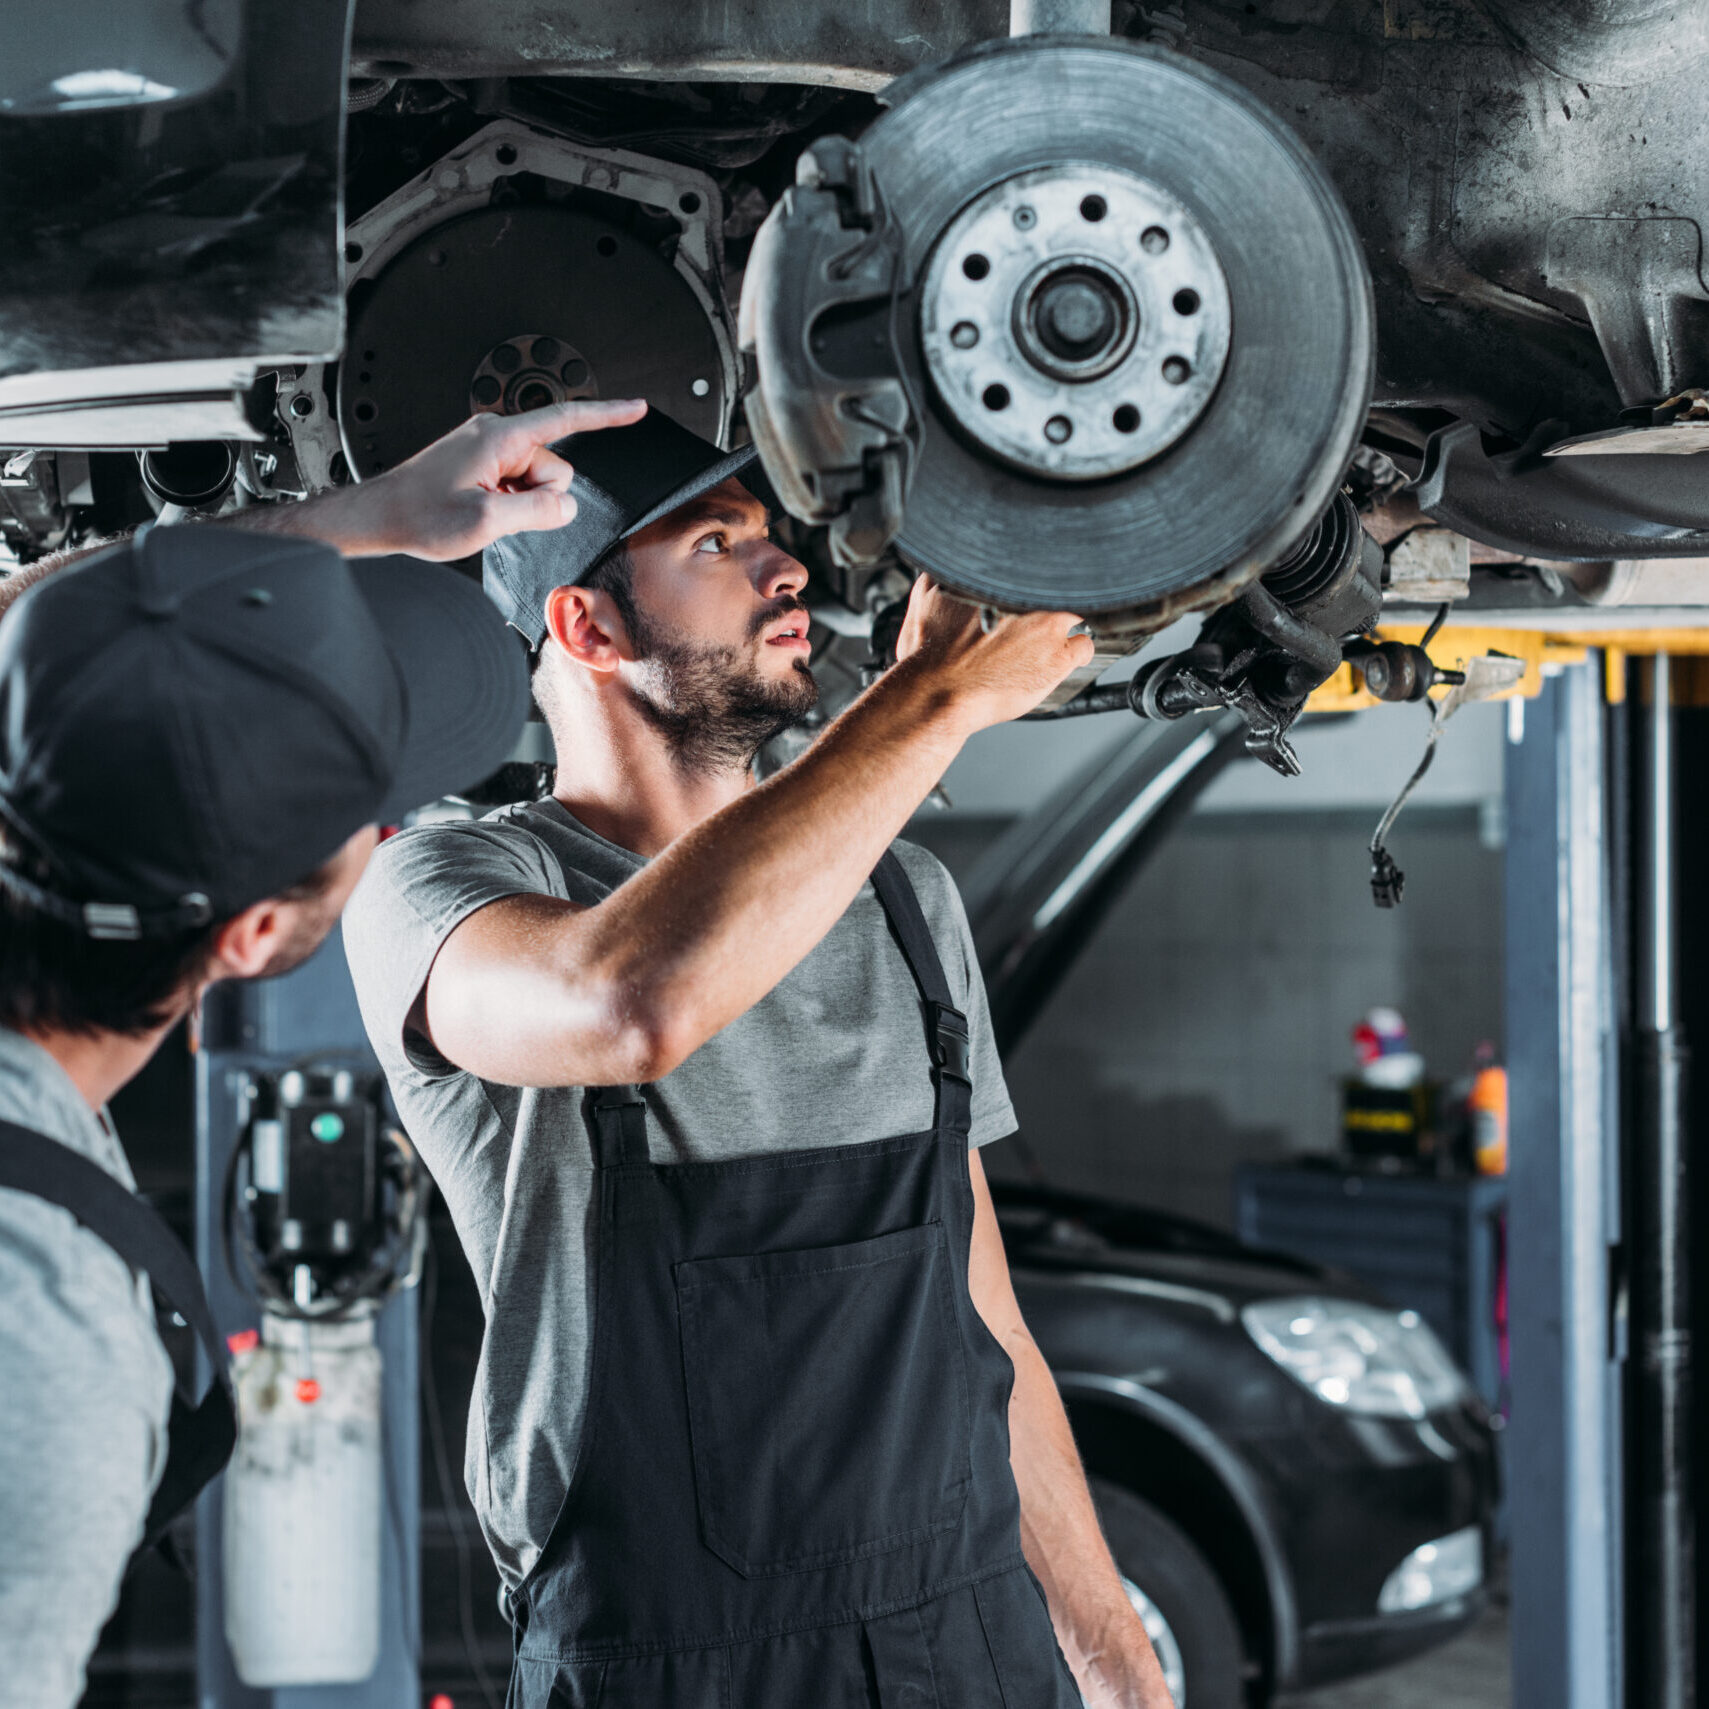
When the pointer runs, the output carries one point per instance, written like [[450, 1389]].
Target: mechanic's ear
[[588, 626], [248, 942]]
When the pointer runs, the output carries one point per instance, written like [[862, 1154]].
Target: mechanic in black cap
[[700, 1066], [201, 731]]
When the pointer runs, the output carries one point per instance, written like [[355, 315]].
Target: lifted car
[[1135, 321]]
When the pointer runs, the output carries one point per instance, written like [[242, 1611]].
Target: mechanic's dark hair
[[53, 977]]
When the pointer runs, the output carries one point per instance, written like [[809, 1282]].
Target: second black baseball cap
[[626, 478], [200, 717]]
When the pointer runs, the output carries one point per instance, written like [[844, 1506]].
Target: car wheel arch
[[1154, 1447]]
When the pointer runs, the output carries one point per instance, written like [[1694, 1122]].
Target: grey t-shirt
[[835, 1054], [85, 1394]]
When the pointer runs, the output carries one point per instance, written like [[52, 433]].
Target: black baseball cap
[[626, 478], [200, 717]]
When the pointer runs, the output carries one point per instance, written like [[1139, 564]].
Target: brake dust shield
[[1079, 324]]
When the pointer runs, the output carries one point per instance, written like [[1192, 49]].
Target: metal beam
[[1564, 1445], [1059, 17]]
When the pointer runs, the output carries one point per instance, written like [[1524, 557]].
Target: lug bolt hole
[[302, 406], [1125, 419], [486, 391], [1176, 370], [1093, 208], [964, 335], [995, 397], [365, 411], [1025, 219], [1058, 429], [1186, 302], [1154, 240], [506, 154], [689, 202], [976, 266], [607, 246]]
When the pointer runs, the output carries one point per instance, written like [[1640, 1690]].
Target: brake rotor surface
[[574, 304], [1244, 409]]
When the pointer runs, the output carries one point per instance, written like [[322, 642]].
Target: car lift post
[[1565, 1434], [1661, 1582]]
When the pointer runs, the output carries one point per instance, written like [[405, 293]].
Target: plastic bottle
[[1487, 1110]]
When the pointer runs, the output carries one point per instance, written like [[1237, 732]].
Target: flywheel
[[1077, 323]]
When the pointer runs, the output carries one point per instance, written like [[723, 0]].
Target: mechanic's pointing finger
[[581, 415]]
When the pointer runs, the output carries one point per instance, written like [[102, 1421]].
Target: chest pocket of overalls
[[827, 1400]]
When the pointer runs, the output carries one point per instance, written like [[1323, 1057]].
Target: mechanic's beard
[[711, 704]]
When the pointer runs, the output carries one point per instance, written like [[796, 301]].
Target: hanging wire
[[1388, 882]]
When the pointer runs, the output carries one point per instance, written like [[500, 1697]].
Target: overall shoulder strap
[[617, 1123], [201, 1436], [948, 1038]]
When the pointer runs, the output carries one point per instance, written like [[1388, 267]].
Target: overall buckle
[[951, 1043]]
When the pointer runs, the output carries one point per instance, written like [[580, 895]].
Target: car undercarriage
[[1444, 258]]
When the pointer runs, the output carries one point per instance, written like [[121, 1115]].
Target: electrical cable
[[1388, 882], [450, 1496]]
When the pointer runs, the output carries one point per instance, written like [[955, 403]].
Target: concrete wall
[[1209, 1020]]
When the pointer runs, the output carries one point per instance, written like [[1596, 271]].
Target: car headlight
[[1435, 1572], [1361, 1357]]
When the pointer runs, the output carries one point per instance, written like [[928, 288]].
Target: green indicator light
[[327, 1127]]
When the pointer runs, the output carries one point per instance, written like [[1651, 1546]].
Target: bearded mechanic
[[701, 1067]]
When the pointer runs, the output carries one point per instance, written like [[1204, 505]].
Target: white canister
[[303, 1499]]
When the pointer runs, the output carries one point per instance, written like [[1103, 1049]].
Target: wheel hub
[[1075, 321]]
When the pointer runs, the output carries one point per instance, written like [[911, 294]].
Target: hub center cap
[[1075, 320]]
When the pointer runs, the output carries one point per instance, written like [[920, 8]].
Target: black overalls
[[793, 1486]]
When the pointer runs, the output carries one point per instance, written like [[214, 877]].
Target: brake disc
[[1089, 328]]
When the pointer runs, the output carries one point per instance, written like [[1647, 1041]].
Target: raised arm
[[492, 476], [531, 991]]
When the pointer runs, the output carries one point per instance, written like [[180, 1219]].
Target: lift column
[[1661, 1582], [1563, 1217]]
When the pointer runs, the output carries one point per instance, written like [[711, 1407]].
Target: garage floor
[[1473, 1672]]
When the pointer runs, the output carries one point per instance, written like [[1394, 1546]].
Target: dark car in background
[[1298, 1483]]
